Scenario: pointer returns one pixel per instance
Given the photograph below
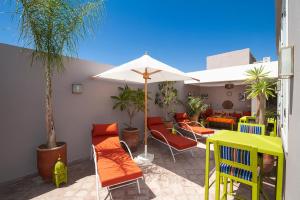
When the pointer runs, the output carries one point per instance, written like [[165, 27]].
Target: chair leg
[[255, 192], [231, 186], [217, 197], [192, 153], [138, 186], [225, 188], [109, 193]]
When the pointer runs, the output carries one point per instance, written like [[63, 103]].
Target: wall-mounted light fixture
[[286, 62], [77, 88]]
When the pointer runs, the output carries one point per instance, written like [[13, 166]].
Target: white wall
[[292, 181], [22, 121]]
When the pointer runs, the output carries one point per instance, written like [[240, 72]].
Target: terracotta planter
[[268, 163], [131, 137], [168, 124], [46, 158], [195, 117]]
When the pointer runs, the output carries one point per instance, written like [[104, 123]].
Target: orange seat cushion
[[116, 166], [177, 141], [198, 129], [106, 143], [221, 120], [105, 129]]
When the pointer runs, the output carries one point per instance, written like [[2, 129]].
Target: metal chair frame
[[191, 130], [179, 151], [118, 185]]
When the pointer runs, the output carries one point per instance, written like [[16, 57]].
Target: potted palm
[[166, 98], [195, 106], [53, 28], [261, 88], [131, 101]]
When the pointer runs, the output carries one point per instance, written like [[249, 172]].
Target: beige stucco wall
[[22, 113], [217, 95], [292, 181], [232, 58]]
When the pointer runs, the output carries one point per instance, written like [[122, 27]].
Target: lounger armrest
[[190, 130], [195, 138], [160, 135], [198, 123], [123, 142]]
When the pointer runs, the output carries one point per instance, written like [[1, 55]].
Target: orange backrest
[[105, 129], [181, 116], [154, 121]]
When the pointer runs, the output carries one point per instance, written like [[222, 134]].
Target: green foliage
[[166, 97], [129, 100], [258, 83], [54, 27], [195, 105]]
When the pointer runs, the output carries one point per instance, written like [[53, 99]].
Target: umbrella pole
[[146, 76]]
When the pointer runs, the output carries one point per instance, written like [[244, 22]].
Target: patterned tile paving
[[164, 180]]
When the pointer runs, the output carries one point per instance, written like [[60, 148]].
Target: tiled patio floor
[[163, 180]]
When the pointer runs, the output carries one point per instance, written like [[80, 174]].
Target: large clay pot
[[168, 124], [195, 118], [131, 137], [46, 158], [268, 163]]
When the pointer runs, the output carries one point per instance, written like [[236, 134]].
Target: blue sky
[[180, 33]]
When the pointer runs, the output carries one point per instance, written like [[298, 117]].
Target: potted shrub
[[166, 98], [195, 106], [261, 88], [53, 28], [131, 101]]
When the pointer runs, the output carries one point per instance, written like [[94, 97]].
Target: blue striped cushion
[[250, 129], [236, 155], [237, 172]]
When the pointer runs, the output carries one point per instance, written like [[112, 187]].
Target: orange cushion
[[247, 113], [198, 129], [105, 129], [220, 120], [177, 141], [154, 121], [115, 167], [106, 143], [180, 116]]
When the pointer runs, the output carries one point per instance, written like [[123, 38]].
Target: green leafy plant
[[129, 100], [166, 97], [53, 28], [194, 106], [260, 87]]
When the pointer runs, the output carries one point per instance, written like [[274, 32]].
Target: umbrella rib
[[136, 71]]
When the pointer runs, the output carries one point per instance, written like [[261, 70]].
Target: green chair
[[247, 119], [238, 163], [259, 129], [273, 122]]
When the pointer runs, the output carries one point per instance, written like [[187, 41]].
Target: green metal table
[[264, 144]]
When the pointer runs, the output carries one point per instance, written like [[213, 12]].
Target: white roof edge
[[232, 73]]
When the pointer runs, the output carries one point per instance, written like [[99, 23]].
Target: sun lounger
[[176, 142], [192, 126], [114, 167]]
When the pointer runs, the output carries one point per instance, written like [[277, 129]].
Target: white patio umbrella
[[144, 69]]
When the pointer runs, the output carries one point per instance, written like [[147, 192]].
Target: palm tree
[[53, 28], [261, 87]]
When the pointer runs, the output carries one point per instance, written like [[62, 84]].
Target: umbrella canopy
[[144, 70], [127, 71]]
